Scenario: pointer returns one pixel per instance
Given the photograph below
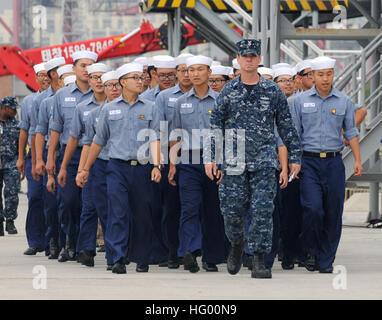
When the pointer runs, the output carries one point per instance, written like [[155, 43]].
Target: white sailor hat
[[216, 63], [97, 67], [111, 75], [68, 68], [302, 65], [198, 60], [283, 71], [220, 70], [69, 80], [164, 61], [127, 68], [39, 67], [53, 63], [181, 59], [141, 60], [267, 71], [84, 54], [230, 70], [323, 62], [281, 65], [235, 64]]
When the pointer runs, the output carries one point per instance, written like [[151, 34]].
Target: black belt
[[130, 162], [321, 154]]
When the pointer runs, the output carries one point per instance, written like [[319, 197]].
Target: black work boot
[[53, 248], [64, 254], [72, 250], [235, 258], [258, 267], [173, 261], [10, 227], [1, 228], [310, 262], [287, 263], [86, 258], [190, 262]]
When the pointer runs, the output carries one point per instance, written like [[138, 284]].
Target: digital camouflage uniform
[[9, 175], [254, 184]]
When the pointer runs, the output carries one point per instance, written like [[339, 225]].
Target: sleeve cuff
[[350, 134], [98, 140], [56, 127]]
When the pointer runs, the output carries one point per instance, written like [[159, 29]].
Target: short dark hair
[[49, 73], [149, 68]]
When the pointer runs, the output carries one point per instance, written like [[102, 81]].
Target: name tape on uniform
[[86, 113], [71, 99], [186, 105], [309, 105], [112, 112], [173, 99]]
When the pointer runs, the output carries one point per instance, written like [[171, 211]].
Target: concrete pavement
[[359, 262]]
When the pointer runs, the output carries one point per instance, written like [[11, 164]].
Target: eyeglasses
[[113, 86], [169, 76], [96, 78], [216, 81], [285, 81], [308, 74], [136, 78], [42, 75]]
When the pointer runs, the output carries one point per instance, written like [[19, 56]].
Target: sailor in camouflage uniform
[[9, 175], [253, 104]]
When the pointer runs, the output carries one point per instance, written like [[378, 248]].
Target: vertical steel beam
[[255, 18], [264, 31], [170, 33], [274, 32], [177, 32]]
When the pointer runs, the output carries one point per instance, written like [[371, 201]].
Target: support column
[[170, 33], [256, 7], [177, 32], [274, 40], [264, 31]]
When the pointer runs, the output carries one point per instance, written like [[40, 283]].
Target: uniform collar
[[210, 93], [93, 100], [74, 87], [120, 98], [334, 92]]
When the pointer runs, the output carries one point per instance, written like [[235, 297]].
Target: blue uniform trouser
[[129, 231], [322, 190], [87, 237], [200, 215], [277, 211], [69, 208], [290, 219], [159, 250], [100, 199], [51, 211], [171, 210], [35, 227]]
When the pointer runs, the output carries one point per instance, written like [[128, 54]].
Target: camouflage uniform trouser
[[9, 179], [238, 193]]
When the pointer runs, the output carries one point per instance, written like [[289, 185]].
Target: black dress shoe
[[63, 256], [248, 263], [31, 251], [109, 267], [101, 249], [287, 263], [142, 268], [1, 228], [119, 268], [53, 248], [86, 258], [310, 262], [326, 270], [235, 258], [127, 261], [173, 261], [190, 262], [258, 268], [163, 264], [210, 267], [10, 227]]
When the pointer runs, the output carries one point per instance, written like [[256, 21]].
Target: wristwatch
[[158, 167]]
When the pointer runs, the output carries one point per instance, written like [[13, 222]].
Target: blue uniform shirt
[[319, 121], [45, 118], [90, 131], [165, 104], [151, 94], [190, 113], [64, 105], [36, 106], [81, 114], [120, 123], [25, 114]]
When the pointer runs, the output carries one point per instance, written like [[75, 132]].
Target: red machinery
[[146, 38]]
